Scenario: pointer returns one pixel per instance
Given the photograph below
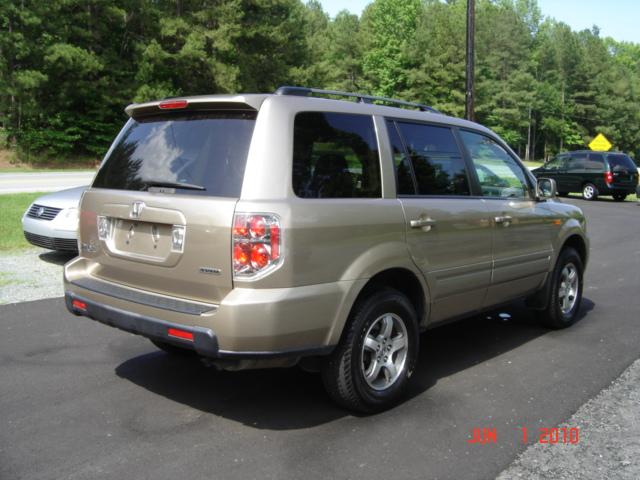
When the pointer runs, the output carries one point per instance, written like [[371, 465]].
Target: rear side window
[[335, 155], [595, 163], [620, 163], [204, 153], [435, 158]]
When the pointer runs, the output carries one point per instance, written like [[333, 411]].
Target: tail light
[[608, 177], [104, 227], [256, 244]]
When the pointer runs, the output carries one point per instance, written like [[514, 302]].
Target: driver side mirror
[[547, 188]]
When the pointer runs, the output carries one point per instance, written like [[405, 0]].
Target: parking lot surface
[[82, 400]]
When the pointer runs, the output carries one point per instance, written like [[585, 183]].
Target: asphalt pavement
[[82, 400], [43, 182]]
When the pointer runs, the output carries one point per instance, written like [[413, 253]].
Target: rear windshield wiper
[[160, 183]]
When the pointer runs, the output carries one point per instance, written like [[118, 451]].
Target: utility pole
[[468, 97], [527, 154]]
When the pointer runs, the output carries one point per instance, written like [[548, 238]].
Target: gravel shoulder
[[31, 274], [609, 445]]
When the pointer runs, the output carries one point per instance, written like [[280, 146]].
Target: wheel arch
[[540, 299], [403, 279], [578, 243]]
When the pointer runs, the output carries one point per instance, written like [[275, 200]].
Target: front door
[[556, 169], [448, 230], [521, 226]]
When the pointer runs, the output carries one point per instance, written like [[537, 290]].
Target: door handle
[[504, 220], [423, 223]]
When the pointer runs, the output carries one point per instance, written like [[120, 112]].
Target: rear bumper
[[204, 341], [247, 323], [610, 189]]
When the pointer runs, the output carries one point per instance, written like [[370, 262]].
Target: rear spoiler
[[205, 103]]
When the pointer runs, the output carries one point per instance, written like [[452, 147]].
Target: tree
[[68, 67], [388, 28]]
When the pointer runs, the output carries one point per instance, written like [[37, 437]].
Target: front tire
[[371, 366], [566, 291], [589, 191]]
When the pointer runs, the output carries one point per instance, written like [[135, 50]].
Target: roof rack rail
[[307, 92]]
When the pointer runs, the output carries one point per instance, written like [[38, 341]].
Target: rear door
[[522, 228], [623, 170], [448, 230], [159, 214], [574, 177], [594, 170]]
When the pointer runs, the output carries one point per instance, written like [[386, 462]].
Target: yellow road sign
[[600, 143]]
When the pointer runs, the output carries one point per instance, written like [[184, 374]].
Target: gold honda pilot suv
[[316, 227]]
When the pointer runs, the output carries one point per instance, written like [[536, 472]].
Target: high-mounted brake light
[[608, 177], [172, 104], [256, 243]]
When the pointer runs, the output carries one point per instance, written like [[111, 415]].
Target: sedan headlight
[[71, 214], [68, 219]]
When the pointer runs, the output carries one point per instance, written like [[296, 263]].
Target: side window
[[401, 163], [335, 155], [556, 164], [435, 158], [595, 163], [499, 174], [576, 162]]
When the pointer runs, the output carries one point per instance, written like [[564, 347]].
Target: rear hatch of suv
[[159, 214], [623, 171]]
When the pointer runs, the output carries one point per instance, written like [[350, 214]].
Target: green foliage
[[68, 67], [388, 29], [13, 207]]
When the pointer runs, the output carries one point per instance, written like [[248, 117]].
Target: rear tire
[[173, 349], [371, 366], [589, 191], [565, 291], [619, 197]]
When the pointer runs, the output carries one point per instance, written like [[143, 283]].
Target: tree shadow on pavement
[[284, 399]]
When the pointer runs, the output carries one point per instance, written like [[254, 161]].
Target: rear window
[[187, 153], [621, 163], [335, 155]]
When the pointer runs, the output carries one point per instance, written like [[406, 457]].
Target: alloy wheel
[[568, 288], [384, 351]]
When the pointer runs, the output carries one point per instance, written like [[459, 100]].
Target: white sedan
[[52, 220]]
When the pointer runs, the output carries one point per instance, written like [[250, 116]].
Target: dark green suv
[[592, 174]]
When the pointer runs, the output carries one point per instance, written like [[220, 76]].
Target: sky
[[615, 18]]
